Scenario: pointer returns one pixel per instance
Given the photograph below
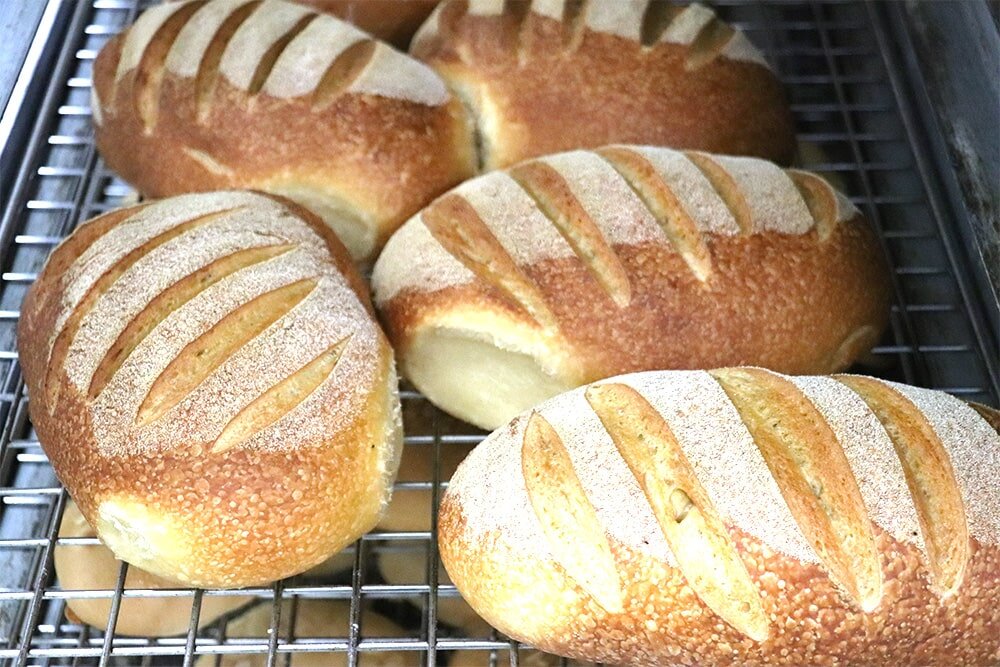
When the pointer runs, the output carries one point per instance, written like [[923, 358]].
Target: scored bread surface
[[301, 64], [624, 72], [209, 382], [623, 18], [232, 222], [774, 205], [490, 520], [592, 263], [206, 95]]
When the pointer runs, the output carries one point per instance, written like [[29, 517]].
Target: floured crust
[[287, 489], [525, 70], [776, 294], [495, 549], [179, 115]]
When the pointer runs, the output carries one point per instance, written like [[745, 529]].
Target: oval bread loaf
[[522, 283], [207, 95], [92, 567], [208, 381], [736, 516], [551, 75]]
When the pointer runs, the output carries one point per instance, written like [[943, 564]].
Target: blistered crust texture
[[271, 95], [205, 372], [496, 550], [622, 71]]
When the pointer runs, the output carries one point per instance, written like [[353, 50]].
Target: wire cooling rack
[[855, 125]]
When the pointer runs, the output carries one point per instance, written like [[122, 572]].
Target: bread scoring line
[[252, 221], [774, 202], [300, 67], [621, 18], [728, 464]]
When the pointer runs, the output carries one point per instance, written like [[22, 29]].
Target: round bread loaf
[[523, 283], [736, 517], [274, 96], [92, 567], [208, 381], [552, 75], [395, 21], [315, 618]]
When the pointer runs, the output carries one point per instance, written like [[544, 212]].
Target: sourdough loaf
[[736, 516], [519, 284], [206, 95], [551, 75], [208, 381], [92, 567]]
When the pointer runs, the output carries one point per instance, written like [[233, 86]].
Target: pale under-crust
[[797, 496], [90, 567], [522, 283], [210, 385]]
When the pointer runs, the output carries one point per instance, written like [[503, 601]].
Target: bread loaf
[[92, 567], [523, 283], [208, 381], [551, 75], [394, 21], [271, 95], [736, 517]]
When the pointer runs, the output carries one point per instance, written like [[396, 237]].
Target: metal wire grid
[[855, 126]]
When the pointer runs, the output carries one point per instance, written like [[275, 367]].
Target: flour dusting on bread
[[489, 486], [774, 205], [871, 456], [312, 43], [331, 312], [973, 447]]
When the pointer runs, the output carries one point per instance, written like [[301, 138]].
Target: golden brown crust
[[775, 300], [375, 158], [540, 85], [281, 498], [586, 264], [658, 457], [665, 623]]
